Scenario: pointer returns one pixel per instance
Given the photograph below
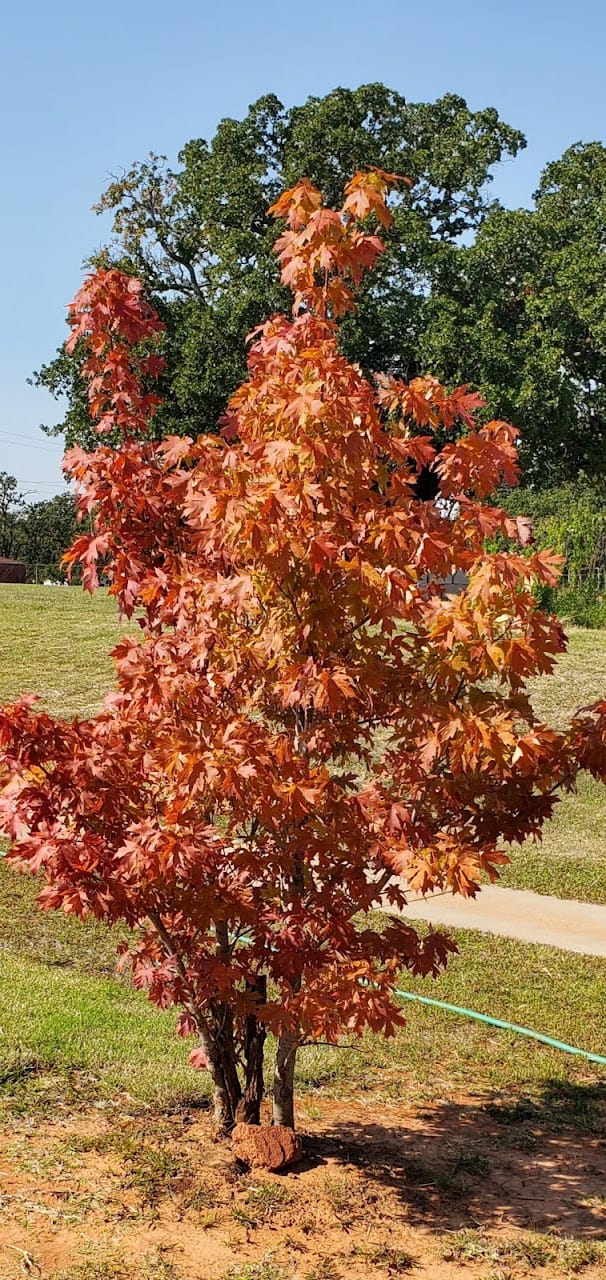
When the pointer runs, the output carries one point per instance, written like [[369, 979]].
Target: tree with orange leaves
[[306, 723]]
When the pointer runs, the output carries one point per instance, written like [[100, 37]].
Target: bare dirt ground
[[470, 1187]]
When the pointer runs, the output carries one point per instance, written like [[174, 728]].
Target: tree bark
[[221, 1055], [216, 1033], [249, 1111], [283, 1111], [224, 1105], [284, 1080]]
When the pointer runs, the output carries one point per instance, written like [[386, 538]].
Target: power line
[[40, 484], [22, 434], [13, 437]]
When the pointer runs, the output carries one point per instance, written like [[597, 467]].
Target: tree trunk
[[221, 1054], [216, 1032], [224, 1104], [284, 1080], [286, 1052], [249, 1111]]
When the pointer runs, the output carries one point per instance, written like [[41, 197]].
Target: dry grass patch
[[158, 1200]]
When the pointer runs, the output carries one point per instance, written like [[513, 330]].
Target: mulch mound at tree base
[[456, 1190]]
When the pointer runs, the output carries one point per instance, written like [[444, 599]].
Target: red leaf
[[198, 1059]]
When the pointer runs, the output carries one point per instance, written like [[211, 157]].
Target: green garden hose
[[492, 1022], [506, 1026]]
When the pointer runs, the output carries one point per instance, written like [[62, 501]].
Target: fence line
[[39, 572]]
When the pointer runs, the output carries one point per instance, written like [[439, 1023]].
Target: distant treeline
[[37, 533]]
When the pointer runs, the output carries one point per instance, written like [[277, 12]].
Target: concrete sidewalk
[[516, 913]]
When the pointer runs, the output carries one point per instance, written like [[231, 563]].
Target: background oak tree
[[305, 723], [200, 238], [513, 300], [523, 311]]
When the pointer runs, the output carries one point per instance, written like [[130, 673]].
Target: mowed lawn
[[570, 862], [56, 642], [72, 1030]]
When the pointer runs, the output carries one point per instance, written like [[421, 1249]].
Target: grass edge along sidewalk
[[72, 1031]]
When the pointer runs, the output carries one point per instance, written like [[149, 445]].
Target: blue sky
[[85, 89]]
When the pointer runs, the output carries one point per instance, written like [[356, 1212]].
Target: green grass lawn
[[71, 1029], [555, 992], [570, 861], [56, 642]]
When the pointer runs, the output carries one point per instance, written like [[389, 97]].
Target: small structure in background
[[11, 570]]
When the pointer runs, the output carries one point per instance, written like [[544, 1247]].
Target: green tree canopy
[[200, 238], [12, 504], [45, 530], [524, 306]]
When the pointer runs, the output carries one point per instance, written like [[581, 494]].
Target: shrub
[[572, 521]]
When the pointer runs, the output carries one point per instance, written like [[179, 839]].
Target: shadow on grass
[[17, 1070], [561, 1104], [535, 1163], [33, 1086]]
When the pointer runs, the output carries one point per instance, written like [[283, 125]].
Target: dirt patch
[[467, 1187]]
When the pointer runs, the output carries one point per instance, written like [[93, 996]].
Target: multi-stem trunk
[[228, 1090], [216, 1031]]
